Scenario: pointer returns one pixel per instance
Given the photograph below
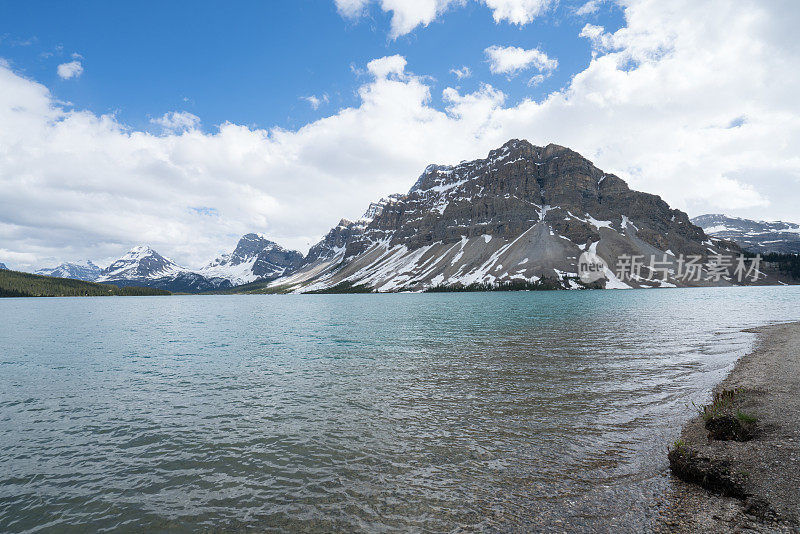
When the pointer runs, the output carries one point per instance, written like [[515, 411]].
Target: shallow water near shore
[[398, 412]]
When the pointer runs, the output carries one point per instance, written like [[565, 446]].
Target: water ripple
[[434, 413]]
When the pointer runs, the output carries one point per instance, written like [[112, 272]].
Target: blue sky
[[184, 125], [251, 62]]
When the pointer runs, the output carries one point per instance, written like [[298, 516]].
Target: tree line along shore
[[17, 284]]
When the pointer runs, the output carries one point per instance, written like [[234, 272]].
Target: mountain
[[3, 267], [254, 258], [144, 267], [753, 236], [79, 271], [523, 215]]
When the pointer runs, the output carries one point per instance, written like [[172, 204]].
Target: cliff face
[[522, 214]]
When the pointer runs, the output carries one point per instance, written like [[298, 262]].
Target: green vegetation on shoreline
[[17, 284]]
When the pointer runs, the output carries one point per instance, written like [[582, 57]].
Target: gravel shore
[[763, 471]]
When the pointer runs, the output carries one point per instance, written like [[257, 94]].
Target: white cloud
[[73, 69], [351, 8], [536, 80], [654, 106], [511, 60], [601, 41], [316, 101], [463, 72], [517, 11], [176, 121], [589, 8], [407, 15], [386, 66]]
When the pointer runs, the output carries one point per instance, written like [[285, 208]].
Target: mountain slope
[[753, 236], [254, 258], [79, 271], [525, 213], [142, 266]]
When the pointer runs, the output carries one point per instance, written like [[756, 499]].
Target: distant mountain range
[[753, 236], [79, 271], [523, 215], [254, 258]]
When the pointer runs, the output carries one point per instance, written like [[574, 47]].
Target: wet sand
[[765, 470]]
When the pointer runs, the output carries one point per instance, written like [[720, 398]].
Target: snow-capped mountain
[[754, 236], [254, 258], [87, 271], [143, 266], [525, 213], [3, 267]]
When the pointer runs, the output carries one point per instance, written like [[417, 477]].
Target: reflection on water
[[427, 412]]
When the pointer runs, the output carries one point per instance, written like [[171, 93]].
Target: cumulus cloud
[[408, 15], [517, 11], [72, 69], [351, 8], [390, 65], [655, 106], [316, 101], [511, 60], [176, 121], [463, 72], [589, 8]]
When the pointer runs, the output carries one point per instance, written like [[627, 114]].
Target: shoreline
[[736, 466]]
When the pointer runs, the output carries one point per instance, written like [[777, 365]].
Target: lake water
[[399, 412]]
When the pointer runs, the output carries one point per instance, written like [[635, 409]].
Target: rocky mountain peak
[[254, 258], [249, 246], [551, 196], [139, 262]]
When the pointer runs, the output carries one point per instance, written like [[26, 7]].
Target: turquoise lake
[[380, 413]]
